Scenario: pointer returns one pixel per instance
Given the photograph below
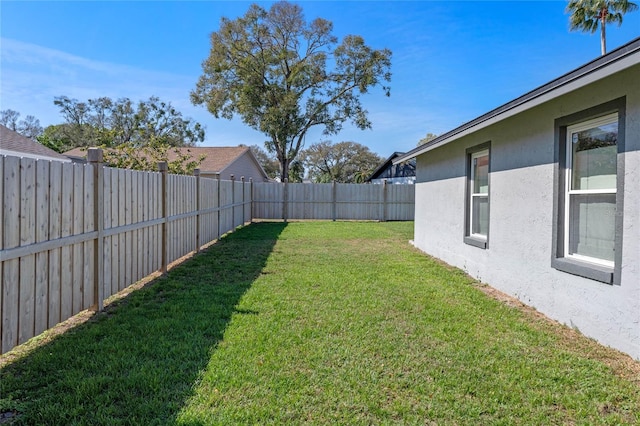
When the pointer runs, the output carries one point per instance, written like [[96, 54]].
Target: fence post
[[384, 200], [218, 204], [233, 201], [243, 212], [163, 167], [334, 199], [95, 157], [251, 200], [196, 173], [285, 200]]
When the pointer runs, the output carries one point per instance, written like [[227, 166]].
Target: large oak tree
[[344, 162], [283, 76]]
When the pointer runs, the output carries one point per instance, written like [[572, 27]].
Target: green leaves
[[588, 15], [130, 156], [270, 68], [103, 121], [344, 162]]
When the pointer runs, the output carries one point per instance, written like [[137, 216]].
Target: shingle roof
[[13, 143], [216, 158], [384, 165]]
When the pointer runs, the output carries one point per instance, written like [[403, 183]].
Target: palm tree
[[587, 15]]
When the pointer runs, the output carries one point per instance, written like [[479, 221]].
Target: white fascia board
[[30, 155]]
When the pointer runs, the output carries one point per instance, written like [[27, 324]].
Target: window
[[477, 210], [591, 190], [588, 230]]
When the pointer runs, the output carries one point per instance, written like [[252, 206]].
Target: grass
[[318, 323]]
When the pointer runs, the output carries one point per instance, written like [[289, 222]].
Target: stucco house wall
[[517, 259]]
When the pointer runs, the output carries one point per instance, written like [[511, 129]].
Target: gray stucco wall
[[518, 258]]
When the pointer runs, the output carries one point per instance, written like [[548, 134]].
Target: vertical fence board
[[136, 255], [122, 246], [42, 234], [157, 234], [153, 214], [55, 208], [145, 232], [115, 238], [10, 270], [128, 237], [26, 321], [89, 246], [66, 254], [106, 183], [78, 227]]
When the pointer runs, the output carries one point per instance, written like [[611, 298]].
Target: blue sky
[[452, 61]]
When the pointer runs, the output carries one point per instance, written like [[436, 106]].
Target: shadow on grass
[[140, 360]]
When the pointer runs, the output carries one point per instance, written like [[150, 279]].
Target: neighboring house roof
[[615, 61], [218, 160], [386, 164], [13, 143]]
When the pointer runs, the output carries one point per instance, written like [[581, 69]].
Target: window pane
[[480, 215], [592, 225], [480, 168], [594, 155]]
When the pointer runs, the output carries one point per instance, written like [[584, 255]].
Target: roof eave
[[617, 60]]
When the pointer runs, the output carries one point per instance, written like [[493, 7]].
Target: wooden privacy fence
[[333, 201], [75, 234]]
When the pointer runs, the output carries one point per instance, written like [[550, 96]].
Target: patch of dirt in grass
[[572, 340]]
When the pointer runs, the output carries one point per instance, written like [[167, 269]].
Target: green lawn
[[317, 323]]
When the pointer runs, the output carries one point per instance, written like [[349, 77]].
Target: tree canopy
[[428, 137], [109, 123], [28, 127], [344, 162], [272, 69], [130, 156], [588, 15]]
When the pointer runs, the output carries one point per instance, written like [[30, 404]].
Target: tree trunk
[[603, 32], [284, 169]]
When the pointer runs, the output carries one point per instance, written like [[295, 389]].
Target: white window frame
[[472, 194], [589, 124]]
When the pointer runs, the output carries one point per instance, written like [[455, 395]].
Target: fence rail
[[74, 234]]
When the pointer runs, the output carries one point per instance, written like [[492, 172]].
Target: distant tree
[[268, 162], [427, 138], [158, 120], [271, 69], [588, 15], [344, 162], [29, 127], [9, 119], [131, 156], [59, 137], [104, 122]]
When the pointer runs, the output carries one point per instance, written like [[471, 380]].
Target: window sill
[[584, 269], [476, 242]]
